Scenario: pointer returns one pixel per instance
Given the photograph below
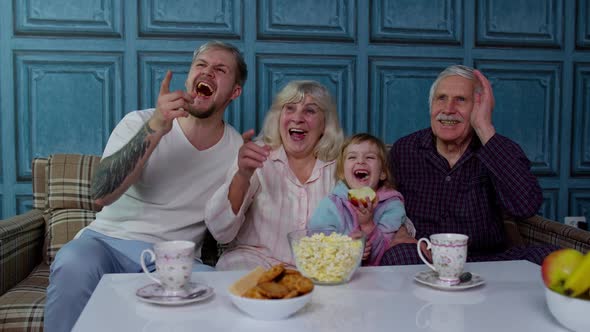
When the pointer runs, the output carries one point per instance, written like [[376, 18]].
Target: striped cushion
[[70, 178], [22, 308], [62, 226], [39, 170]]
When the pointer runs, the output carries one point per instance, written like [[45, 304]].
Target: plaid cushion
[[22, 308], [20, 247], [62, 226], [538, 230], [39, 170], [70, 178]]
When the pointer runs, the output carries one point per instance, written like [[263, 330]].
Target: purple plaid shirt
[[470, 198]]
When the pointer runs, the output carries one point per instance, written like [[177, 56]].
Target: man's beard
[[202, 115]]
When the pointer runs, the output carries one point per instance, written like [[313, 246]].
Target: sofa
[[62, 206]]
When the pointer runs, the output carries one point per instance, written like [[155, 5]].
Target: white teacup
[[449, 252], [174, 265]]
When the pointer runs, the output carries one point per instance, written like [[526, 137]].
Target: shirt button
[[448, 178]]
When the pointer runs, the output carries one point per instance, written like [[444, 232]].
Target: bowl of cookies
[[326, 256], [271, 294]]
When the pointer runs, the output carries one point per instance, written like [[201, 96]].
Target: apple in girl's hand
[[359, 196], [558, 266]]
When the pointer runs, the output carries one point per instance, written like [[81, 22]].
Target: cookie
[[273, 290], [271, 274]]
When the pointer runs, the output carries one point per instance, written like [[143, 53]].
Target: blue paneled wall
[[71, 69]]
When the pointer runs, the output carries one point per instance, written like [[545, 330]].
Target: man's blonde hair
[[328, 147]]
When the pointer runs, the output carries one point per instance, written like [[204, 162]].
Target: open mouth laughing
[[204, 89], [361, 174], [297, 134]]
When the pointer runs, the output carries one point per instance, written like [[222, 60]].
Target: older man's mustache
[[443, 117]]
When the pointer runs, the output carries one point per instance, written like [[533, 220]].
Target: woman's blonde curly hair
[[328, 147]]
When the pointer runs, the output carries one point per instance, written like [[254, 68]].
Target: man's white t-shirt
[[168, 202]]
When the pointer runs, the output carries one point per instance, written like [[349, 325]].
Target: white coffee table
[[376, 299]]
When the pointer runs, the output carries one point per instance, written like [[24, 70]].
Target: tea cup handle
[[144, 267], [428, 246]]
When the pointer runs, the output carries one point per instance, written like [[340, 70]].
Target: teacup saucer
[[430, 278], [154, 293]]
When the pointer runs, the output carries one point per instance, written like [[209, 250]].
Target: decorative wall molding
[[324, 20], [190, 18], [528, 93], [422, 21], [583, 24], [23, 203], [550, 204], [581, 121], [80, 92], [525, 23], [69, 17], [579, 203]]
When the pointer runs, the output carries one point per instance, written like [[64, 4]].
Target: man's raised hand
[[170, 105], [481, 115]]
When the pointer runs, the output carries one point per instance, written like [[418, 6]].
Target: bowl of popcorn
[[271, 294], [326, 256]]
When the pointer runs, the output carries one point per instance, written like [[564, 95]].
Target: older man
[[158, 170], [460, 176]]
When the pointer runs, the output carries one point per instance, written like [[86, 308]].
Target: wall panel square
[[417, 21], [523, 23], [307, 19], [528, 92], [66, 102], [191, 18], [581, 121], [69, 17]]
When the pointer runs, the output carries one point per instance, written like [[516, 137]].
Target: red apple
[[558, 266], [359, 196]]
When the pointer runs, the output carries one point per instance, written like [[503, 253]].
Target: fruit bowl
[[325, 256], [569, 311]]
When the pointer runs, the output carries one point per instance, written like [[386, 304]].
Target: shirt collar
[[280, 155]]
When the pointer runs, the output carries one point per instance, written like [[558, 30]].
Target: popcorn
[[328, 259]]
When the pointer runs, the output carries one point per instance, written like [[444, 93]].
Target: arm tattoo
[[113, 170]]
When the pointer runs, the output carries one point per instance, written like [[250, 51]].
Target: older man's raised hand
[[483, 106]]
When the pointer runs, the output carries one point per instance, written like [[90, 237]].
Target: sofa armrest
[[21, 242], [539, 230]]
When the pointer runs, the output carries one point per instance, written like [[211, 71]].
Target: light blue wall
[[70, 69]]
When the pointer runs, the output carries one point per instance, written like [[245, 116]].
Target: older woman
[[278, 179]]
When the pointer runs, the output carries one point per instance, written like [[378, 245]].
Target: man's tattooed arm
[[113, 170]]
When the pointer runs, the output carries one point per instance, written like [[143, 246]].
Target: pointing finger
[[165, 87], [247, 136]]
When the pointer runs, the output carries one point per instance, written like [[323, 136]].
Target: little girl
[[362, 163]]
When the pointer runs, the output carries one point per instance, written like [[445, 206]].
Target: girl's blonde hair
[[328, 147], [358, 139]]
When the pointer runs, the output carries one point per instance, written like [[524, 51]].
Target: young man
[[158, 170]]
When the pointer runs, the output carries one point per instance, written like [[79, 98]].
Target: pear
[[558, 266]]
